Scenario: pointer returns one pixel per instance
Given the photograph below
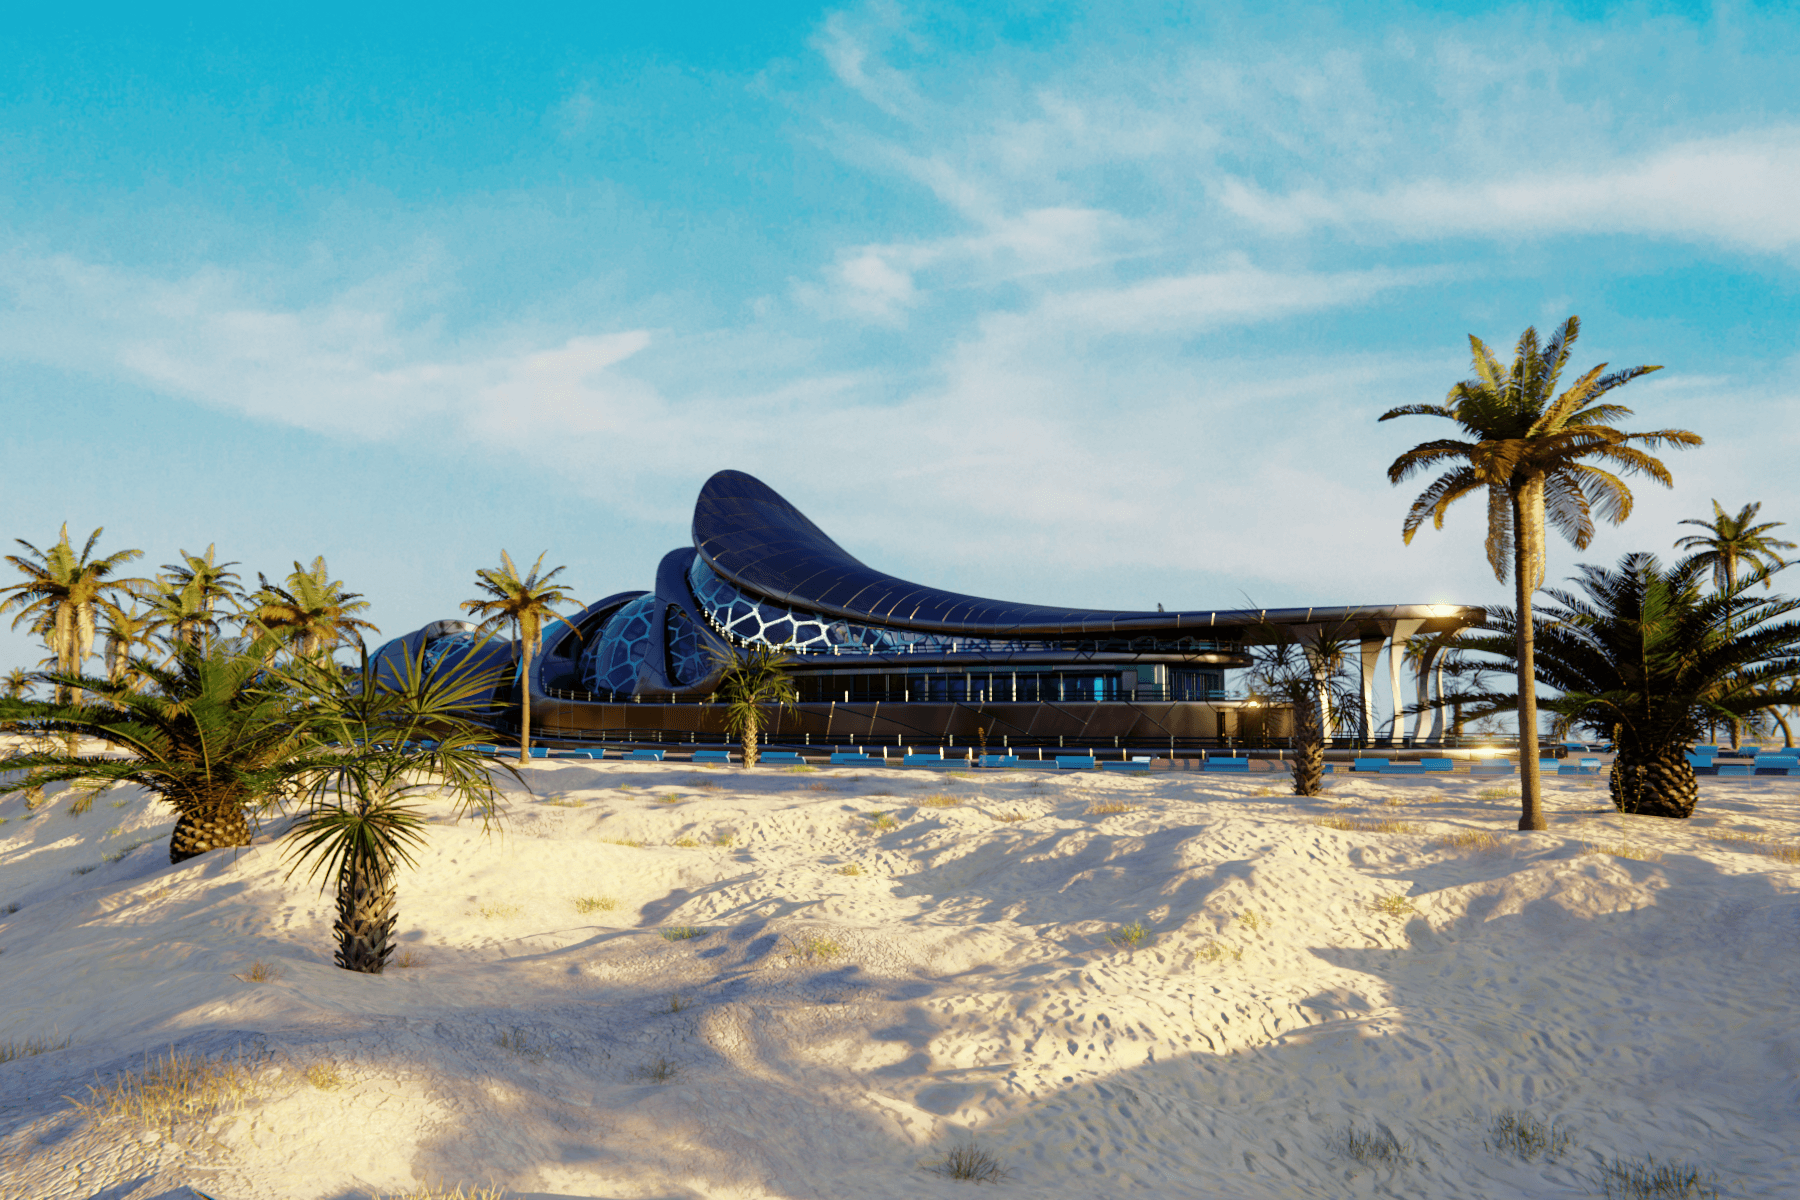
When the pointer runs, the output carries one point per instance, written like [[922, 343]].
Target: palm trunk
[[750, 752], [1309, 747], [1654, 781], [1787, 735], [208, 826], [1531, 815], [524, 702], [366, 917]]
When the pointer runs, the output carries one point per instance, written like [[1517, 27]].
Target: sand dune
[[830, 1034]]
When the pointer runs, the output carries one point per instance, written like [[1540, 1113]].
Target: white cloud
[[1738, 191]]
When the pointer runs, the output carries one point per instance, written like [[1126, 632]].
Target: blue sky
[[1086, 305]]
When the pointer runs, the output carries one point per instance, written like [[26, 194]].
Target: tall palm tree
[[313, 609], [409, 723], [126, 630], [1646, 656], [1533, 452], [194, 593], [1735, 540], [64, 593], [752, 683], [526, 603]]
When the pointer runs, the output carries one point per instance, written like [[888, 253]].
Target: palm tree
[[1646, 657], [192, 595], [207, 736], [126, 630], [526, 604], [1313, 682], [753, 682], [64, 592], [1735, 540], [410, 724], [313, 609], [18, 684], [1529, 450]]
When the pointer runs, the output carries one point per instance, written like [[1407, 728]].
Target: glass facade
[[613, 662]]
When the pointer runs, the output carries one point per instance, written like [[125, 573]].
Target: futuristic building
[[881, 661]]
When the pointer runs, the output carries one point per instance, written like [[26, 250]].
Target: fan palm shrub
[[1534, 453], [205, 734], [753, 682], [64, 593], [1646, 656], [391, 736], [527, 603]]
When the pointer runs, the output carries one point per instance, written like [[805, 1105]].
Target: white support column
[[1365, 670], [1437, 710], [1403, 632], [1423, 677]]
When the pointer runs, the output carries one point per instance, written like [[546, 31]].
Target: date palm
[[526, 603], [752, 683], [1541, 458], [64, 594], [193, 594], [313, 609], [1734, 541], [1311, 679], [1647, 656], [126, 630], [401, 730]]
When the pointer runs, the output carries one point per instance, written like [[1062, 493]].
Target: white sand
[[1648, 1004]]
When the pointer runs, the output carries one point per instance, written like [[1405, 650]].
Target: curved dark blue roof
[[751, 536]]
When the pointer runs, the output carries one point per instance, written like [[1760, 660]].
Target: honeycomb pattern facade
[[688, 660], [614, 661]]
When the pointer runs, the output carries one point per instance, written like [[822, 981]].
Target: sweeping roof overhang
[[751, 536]]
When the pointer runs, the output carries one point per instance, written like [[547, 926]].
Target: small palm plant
[[206, 735], [1646, 656], [65, 592], [1310, 679], [395, 732], [754, 681], [527, 603]]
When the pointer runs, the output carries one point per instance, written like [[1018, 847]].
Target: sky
[[1069, 304]]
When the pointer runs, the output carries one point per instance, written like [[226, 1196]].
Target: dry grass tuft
[[1252, 920], [1394, 906], [407, 959], [881, 822], [1011, 818], [440, 1192], [260, 972], [635, 845], [1107, 808], [498, 911], [657, 1070], [1649, 1179], [1395, 802], [1265, 790], [677, 1002], [723, 839], [1356, 825], [178, 1087], [940, 800], [686, 843], [669, 798], [970, 1164], [515, 1041], [594, 904], [325, 1076], [1623, 849], [1497, 793], [1472, 839], [1214, 952], [1130, 936], [1763, 843], [801, 769], [1515, 1132], [1379, 1147], [683, 933], [849, 869], [29, 1047], [813, 947]]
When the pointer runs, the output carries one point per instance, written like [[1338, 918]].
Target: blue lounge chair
[[856, 760], [1734, 769], [1438, 766], [1075, 762], [999, 760], [1226, 764], [786, 758], [1493, 766], [712, 756], [1139, 765], [587, 754], [1373, 766], [645, 755]]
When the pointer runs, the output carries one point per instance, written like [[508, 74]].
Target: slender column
[[1403, 632], [1365, 670], [1427, 661], [1437, 710]]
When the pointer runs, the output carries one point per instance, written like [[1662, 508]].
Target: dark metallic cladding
[[757, 540]]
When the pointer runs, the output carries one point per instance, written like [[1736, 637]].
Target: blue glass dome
[[614, 662]]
